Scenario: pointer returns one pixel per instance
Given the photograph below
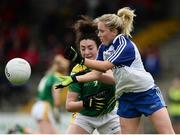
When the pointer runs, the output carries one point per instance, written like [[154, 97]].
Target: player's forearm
[[57, 104], [88, 77], [101, 66], [74, 106], [56, 97]]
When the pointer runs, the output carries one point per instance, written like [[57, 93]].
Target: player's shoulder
[[120, 39], [52, 76], [77, 68]]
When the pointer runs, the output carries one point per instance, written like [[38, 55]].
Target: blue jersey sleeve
[[100, 53], [124, 53]]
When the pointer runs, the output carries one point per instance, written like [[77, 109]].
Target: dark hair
[[85, 28]]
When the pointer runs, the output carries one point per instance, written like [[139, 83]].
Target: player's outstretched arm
[[67, 80], [90, 76]]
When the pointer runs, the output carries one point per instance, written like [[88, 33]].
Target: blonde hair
[[123, 21]]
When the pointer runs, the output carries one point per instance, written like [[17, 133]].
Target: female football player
[[93, 101], [45, 110], [135, 88]]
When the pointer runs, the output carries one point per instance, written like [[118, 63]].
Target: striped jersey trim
[[121, 46]]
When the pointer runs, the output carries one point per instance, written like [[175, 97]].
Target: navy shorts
[[132, 105]]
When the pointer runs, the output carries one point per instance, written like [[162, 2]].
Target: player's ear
[[114, 32]]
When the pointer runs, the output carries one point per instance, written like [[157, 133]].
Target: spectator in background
[[1, 48], [31, 54], [103, 7], [22, 33], [15, 51], [152, 60], [53, 47], [51, 25], [174, 103]]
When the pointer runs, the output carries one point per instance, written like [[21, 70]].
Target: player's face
[[57, 63], [60, 64], [105, 34], [88, 49]]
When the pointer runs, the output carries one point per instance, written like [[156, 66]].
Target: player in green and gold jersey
[[93, 103], [45, 110]]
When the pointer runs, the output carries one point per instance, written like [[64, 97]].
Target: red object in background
[[7, 14], [31, 55], [15, 51], [22, 32]]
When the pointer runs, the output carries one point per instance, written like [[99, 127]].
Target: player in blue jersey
[[88, 101], [136, 90]]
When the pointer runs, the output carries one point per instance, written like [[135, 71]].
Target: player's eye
[[82, 49], [101, 31]]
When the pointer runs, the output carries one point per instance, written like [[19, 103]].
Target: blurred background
[[36, 30]]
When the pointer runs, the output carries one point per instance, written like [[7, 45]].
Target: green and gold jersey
[[91, 88], [46, 85]]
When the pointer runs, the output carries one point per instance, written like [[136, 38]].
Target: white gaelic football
[[18, 71]]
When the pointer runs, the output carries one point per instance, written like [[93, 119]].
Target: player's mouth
[[89, 57]]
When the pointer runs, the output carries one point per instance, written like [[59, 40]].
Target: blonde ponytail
[[127, 16]]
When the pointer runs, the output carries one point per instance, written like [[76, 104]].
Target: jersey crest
[[108, 52]]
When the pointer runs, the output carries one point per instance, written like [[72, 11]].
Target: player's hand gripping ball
[[18, 71]]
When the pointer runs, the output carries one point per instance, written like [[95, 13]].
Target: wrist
[[74, 79]]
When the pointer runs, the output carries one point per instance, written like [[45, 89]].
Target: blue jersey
[[129, 71]]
